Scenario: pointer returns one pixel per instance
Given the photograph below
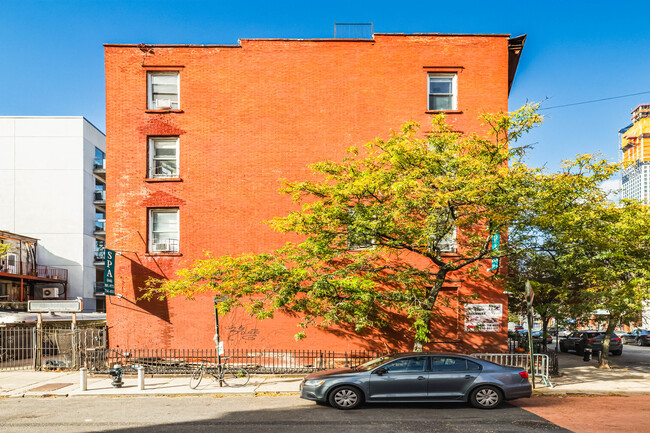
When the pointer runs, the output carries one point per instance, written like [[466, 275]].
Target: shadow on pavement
[[393, 418]]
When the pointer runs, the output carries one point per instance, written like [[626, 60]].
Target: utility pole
[[530, 295]]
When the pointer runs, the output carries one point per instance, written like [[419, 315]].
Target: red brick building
[[198, 136]]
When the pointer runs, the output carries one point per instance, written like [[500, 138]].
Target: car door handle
[[421, 377], [468, 376]]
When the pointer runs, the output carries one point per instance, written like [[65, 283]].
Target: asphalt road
[[284, 414]]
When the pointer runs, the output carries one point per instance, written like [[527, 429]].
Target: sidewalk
[[66, 384], [574, 381], [590, 380]]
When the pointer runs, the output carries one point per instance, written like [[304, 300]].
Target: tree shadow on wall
[[447, 335], [139, 276]]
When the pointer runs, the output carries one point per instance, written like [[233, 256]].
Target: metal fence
[[180, 361], [17, 348], [28, 348], [540, 363]]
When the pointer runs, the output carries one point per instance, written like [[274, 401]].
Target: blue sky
[[52, 52]]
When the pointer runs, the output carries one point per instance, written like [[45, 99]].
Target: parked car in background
[[537, 337], [418, 377], [581, 340], [640, 337]]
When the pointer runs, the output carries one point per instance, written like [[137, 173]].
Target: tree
[[377, 226], [608, 246]]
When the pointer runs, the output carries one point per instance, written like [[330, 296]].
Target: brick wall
[[249, 115]]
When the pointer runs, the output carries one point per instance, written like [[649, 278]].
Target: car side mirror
[[380, 371]]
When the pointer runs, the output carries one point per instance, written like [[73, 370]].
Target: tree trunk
[[427, 306], [604, 355]]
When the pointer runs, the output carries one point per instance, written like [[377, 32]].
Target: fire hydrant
[[116, 372]]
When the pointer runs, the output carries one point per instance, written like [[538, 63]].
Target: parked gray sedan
[[418, 377]]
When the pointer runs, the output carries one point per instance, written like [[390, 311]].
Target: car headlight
[[314, 382]]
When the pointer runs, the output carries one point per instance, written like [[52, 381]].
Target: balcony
[[100, 198], [99, 168], [99, 288], [26, 269], [100, 228], [99, 258]]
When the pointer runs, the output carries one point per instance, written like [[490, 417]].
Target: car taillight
[[616, 339], [523, 374], [591, 339]]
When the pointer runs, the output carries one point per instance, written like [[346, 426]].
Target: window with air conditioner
[[163, 157], [163, 230], [163, 90], [442, 92]]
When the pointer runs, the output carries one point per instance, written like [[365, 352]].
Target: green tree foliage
[[377, 225], [608, 246]]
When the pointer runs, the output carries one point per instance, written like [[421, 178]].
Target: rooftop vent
[[353, 31]]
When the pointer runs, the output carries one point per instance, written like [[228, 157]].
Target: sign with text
[[483, 317], [55, 306], [109, 272]]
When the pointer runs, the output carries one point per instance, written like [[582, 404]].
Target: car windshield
[[375, 363]]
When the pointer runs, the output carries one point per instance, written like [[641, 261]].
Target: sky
[[51, 52]]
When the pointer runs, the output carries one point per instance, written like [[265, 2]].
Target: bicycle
[[222, 373]]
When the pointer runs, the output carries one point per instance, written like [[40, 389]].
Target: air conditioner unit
[[161, 246], [50, 292], [163, 103]]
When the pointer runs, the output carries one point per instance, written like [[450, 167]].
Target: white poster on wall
[[483, 317]]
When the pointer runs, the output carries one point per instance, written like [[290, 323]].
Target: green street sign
[[496, 241], [109, 272]]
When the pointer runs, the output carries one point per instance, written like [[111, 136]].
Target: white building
[[52, 179]]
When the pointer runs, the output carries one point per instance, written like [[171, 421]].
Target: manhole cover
[[50, 387]]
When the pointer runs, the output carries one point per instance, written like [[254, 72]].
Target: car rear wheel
[[639, 342], [486, 397], [345, 397], [563, 349], [617, 352]]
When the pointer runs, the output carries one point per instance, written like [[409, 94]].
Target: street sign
[[496, 241], [218, 299], [55, 306], [109, 272], [530, 294]]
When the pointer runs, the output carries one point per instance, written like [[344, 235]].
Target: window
[[448, 243], [163, 231], [442, 92], [453, 364], [358, 238], [163, 90], [407, 365], [163, 157]]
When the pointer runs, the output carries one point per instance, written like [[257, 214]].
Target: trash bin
[[586, 355]]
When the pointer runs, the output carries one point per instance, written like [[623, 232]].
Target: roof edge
[[480, 35]]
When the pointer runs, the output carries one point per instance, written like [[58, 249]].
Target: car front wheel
[[639, 342], [486, 397], [345, 397]]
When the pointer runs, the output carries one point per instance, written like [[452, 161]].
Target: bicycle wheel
[[235, 377], [197, 375]]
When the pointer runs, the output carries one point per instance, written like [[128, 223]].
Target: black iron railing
[[262, 361], [32, 270]]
